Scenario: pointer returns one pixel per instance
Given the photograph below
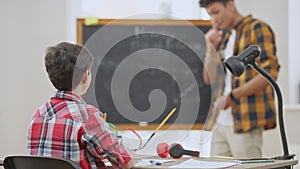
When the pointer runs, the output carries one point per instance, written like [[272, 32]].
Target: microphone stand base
[[285, 157]]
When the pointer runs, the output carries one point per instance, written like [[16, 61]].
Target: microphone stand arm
[[271, 80]]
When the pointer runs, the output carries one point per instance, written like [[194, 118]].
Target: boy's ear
[[84, 77], [231, 5]]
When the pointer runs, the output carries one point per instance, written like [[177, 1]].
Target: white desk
[[276, 164], [195, 140]]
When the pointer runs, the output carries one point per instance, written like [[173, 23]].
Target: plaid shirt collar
[[243, 22], [67, 95]]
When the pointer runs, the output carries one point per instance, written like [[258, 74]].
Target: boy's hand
[[222, 103], [130, 163], [214, 35]]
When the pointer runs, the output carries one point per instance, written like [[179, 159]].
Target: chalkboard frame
[[80, 23]]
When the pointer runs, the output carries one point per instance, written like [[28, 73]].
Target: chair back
[[38, 162]]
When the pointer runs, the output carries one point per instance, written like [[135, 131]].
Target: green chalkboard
[[156, 48]]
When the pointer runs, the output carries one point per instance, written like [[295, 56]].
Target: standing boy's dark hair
[[204, 3], [66, 63]]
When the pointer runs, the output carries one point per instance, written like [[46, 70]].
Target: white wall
[[12, 77], [188, 9], [294, 59], [29, 26]]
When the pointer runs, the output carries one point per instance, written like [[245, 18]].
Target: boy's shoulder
[[259, 24], [92, 109]]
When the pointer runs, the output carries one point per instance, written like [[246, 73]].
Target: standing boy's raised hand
[[214, 35]]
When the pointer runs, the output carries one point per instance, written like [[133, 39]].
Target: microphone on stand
[[236, 65]]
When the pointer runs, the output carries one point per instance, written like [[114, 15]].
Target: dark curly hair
[[205, 3], [66, 63]]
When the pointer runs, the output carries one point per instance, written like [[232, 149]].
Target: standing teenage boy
[[246, 106]]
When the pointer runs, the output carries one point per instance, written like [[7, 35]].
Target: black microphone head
[[176, 150], [236, 64], [249, 55]]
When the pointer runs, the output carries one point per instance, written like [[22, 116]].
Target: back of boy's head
[[66, 63], [205, 3]]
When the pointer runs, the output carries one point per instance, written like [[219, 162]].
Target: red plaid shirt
[[67, 127]]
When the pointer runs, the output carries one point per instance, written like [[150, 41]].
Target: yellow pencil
[[165, 120], [160, 125]]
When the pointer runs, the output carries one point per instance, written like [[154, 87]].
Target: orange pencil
[[104, 116]]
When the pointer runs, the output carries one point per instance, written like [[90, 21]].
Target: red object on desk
[[162, 149]]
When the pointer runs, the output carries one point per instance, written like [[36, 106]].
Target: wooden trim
[[80, 21], [163, 22], [79, 31], [153, 22]]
